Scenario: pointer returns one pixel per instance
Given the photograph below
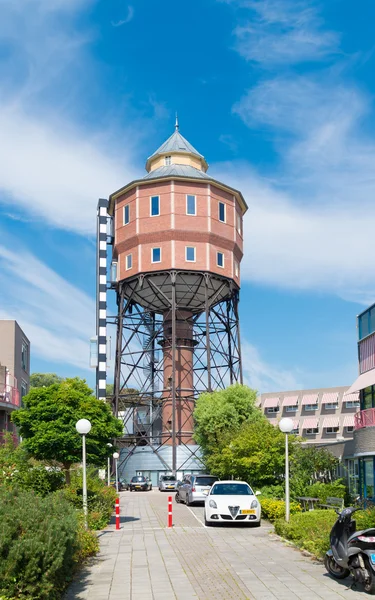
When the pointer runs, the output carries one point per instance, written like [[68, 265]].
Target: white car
[[232, 501]]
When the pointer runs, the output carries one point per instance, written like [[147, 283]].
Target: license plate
[[205, 492], [248, 512], [138, 487]]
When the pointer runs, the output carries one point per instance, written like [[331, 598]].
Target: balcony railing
[[9, 395], [364, 418]]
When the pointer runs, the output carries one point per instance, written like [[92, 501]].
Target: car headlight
[[212, 503], [254, 504]]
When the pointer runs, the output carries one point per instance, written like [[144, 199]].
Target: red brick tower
[[177, 248]]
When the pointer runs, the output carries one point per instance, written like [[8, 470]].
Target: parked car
[[167, 482], [138, 482], [122, 484], [232, 501], [194, 488]]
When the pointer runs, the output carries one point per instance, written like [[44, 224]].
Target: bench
[[333, 503]]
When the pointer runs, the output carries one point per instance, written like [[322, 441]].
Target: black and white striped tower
[[101, 299]]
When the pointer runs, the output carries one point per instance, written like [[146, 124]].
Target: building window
[[222, 212], [367, 397], [331, 430], [311, 407], [295, 431], [129, 261], [156, 255], [312, 431], [349, 429], [331, 405], [291, 408], [236, 269], [113, 272], [351, 404], [25, 356], [273, 409], [191, 202], [126, 214], [239, 223], [220, 259], [167, 161], [23, 388], [190, 253], [155, 206]]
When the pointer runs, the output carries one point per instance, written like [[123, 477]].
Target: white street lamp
[[116, 457], [109, 467], [83, 426], [286, 426]]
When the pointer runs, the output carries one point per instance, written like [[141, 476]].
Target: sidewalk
[[147, 561]]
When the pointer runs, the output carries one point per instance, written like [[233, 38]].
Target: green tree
[[44, 379], [47, 424], [310, 465], [255, 453], [220, 413]]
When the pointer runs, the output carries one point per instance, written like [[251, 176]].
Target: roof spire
[[176, 124]]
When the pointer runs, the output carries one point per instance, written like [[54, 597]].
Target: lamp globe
[[286, 425], [83, 426], [116, 455]]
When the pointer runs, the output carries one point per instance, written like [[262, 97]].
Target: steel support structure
[[177, 337]]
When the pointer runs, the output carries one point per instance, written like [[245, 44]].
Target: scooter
[[352, 552]]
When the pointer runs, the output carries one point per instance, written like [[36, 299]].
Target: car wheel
[[258, 524], [177, 498], [187, 500]]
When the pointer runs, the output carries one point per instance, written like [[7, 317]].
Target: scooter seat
[[364, 533]]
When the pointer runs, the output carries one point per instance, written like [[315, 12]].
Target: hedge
[[275, 509]]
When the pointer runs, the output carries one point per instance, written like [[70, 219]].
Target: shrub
[[336, 489], [38, 541], [273, 491], [40, 479], [88, 543], [275, 509], [309, 530]]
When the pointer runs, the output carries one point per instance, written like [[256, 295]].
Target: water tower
[[176, 248]]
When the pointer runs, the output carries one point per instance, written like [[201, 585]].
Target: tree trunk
[[67, 472]]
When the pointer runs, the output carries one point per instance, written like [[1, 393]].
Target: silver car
[[167, 482], [194, 488]]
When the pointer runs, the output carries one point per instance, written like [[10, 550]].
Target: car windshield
[[138, 478], [168, 478], [231, 489], [205, 480]]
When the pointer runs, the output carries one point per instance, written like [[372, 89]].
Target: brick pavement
[[147, 561]]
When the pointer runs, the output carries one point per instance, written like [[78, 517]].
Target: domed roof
[[177, 171], [176, 145]]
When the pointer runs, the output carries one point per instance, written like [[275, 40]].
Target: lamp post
[[116, 457], [83, 426], [286, 426], [109, 467]]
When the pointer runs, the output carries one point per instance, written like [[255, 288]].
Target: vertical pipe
[[116, 463], [173, 386], [116, 387], [229, 334], [109, 472], [84, 482], [208, 342], [235, 308], [287, 509], [101, 298]]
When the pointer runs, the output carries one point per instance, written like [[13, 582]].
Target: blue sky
[[279, 97]]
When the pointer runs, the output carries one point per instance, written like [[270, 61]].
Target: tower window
[[191, 205], [190, 253], [167, 160], [129, 261], [220, 259], [155, 206], [156, 255], [222, 212], [25, 356], [236, 268], [239, 223], [126, 214]]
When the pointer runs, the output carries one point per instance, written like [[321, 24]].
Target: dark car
[[138, 482], [122, 484]]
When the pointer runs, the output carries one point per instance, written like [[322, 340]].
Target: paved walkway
[[147, 561]]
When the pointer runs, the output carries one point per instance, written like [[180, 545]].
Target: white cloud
[[127, 19], [262, 376], [57, 317], [283, 32]]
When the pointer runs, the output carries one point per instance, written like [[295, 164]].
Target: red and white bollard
[[117, 513], [170, 522]]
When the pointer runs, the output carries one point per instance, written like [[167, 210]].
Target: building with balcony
[[360, 457], [320, 416], [14, 372]]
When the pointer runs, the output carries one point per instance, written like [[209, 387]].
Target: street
[[147, 561]]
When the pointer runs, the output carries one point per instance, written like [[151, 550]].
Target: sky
[[278, 95]]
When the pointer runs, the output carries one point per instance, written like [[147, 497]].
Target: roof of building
[[177, 171], [176, 143]]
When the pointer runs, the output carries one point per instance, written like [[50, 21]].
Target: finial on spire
[[176, 124]]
